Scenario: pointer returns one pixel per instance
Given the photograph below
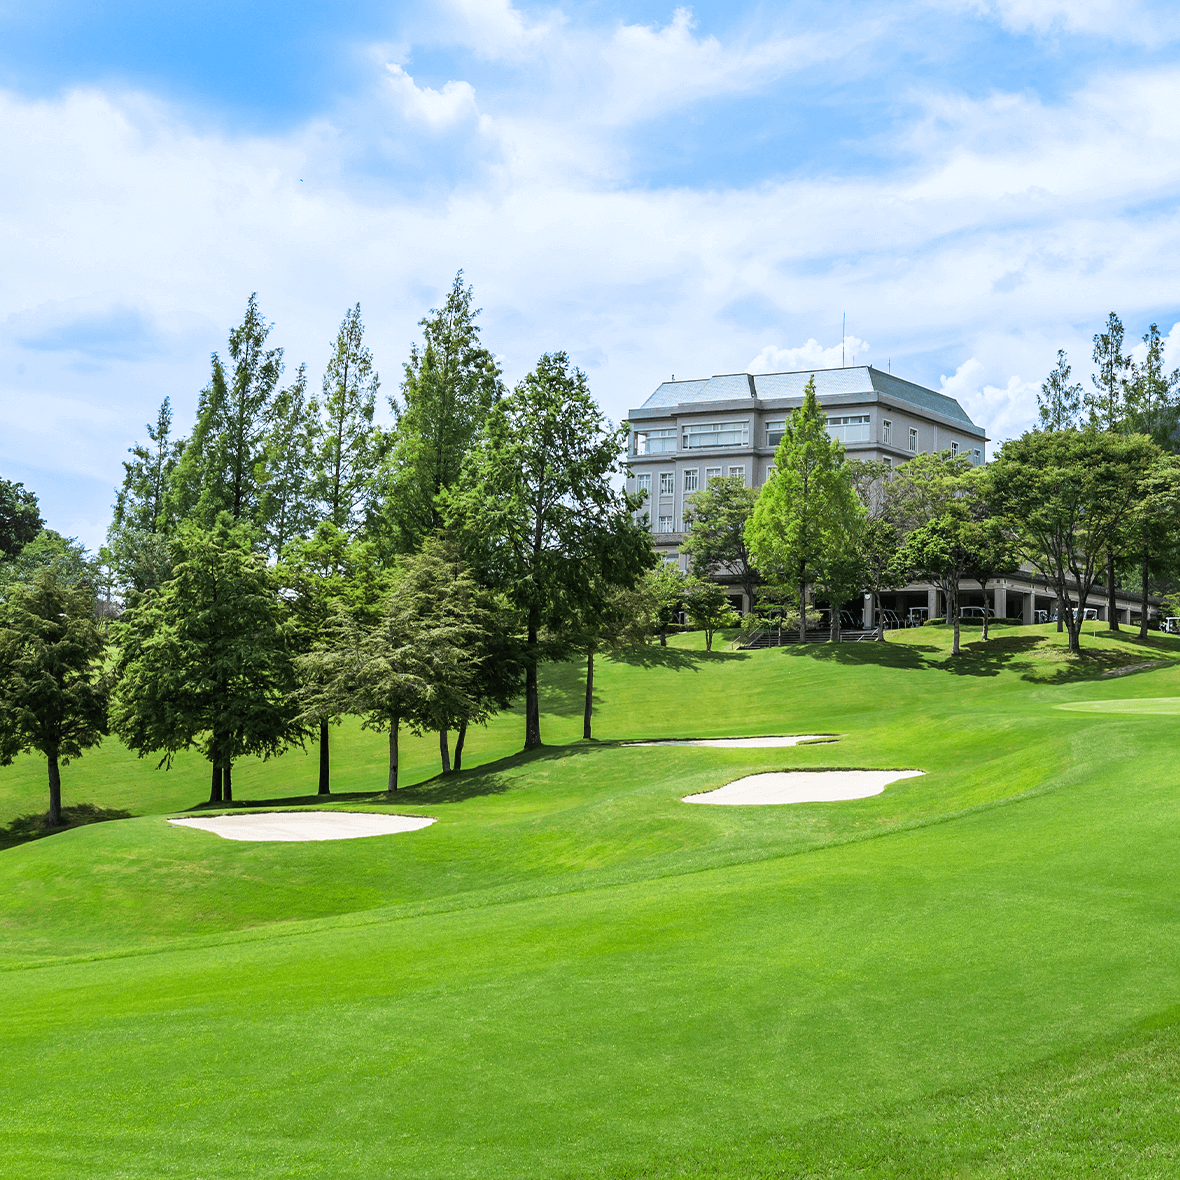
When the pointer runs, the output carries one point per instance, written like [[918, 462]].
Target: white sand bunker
[[751, 743], [305, 825], [803, 786]]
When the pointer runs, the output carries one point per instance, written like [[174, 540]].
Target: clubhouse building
[[689, 432]]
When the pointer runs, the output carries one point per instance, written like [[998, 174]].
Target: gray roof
[[860, 379]]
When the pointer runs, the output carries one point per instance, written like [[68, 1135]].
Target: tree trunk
[[324, 788], [227, 783], [1112, 610], [460, 738], [444, 751], [1060, 612], [54, 792], [874, 615], [802, 611], [1143, 601], [952, 605], [708, 639], [663, 635], [532, 706], [393, 754], [215, 789], [588, 711]]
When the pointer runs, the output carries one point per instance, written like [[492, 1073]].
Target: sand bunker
[[750, 743], [305, 825], [1141, 705], [803, 786]]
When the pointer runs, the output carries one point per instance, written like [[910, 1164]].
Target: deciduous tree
[[53, 690], [20, 519], [715, 531], [206, 661]]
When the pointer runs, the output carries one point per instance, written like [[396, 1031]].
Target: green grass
[[573, 974]]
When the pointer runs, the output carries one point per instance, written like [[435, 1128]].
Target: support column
[[932, 604], [866, 612], [1029, 607], [1000, 595]]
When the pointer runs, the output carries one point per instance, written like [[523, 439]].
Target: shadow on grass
[[35, 827], [675, 658], [492, 778]]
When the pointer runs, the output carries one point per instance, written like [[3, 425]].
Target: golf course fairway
[[573, 973]]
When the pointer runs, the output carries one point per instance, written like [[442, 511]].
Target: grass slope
[[572, 973]]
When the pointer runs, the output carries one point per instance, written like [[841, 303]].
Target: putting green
[[1138, 705]]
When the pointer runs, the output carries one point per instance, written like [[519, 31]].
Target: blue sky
[[657, 190]]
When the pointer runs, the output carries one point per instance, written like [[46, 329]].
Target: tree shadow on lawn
[[492, 778], [675, 658], [35, 827], [974, 659]]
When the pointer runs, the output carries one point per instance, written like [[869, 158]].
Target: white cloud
[[438, 109], [1004, 411], [1119, 20], [811, 355]]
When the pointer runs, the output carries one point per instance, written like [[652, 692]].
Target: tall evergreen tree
[[1059, 404], [807, 512], [286, 509], [449, 386], [140, 502], [715, 531], [1107, 401], [536, 509], [220, 466], [1153, 395], [345, 451]]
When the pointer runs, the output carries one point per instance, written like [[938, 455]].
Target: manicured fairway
[[573, 973]]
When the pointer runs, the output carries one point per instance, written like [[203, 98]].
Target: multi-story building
[[687, 432]]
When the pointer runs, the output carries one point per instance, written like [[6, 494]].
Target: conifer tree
[[807, 511], [346, 446], [1059, 404], [449, 386], [286, 509]]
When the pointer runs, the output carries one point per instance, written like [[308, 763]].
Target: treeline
[[290, 562]]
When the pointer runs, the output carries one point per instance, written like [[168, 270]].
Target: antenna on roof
[[843, 335], [889, 366]]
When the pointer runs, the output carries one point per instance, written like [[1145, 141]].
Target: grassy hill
[[573, 973]]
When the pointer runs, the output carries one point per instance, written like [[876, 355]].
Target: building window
[[888, 463], [769, 470], [667, 483], [977, 456], [643, 485], [913, 440], [690, 479], [665, 525], [887, 432], [712, 473], [853, 428], [655, 442], [739, 472], [716, 434], [954, 450], [775, 432]]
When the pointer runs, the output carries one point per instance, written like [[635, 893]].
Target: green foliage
[[1153, 396], [1106, 403], [286, 508], [709, 608], [1067, 497], [221, 465], [20, 519], [1059, 404], [715, 531], [450, 385], [346, 450], [807, 514], [53, 692], [538, 514], [141, 503], [48, 550], [206, 661], [417, 664]]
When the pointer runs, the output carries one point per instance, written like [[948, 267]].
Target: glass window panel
[[716, 434]]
